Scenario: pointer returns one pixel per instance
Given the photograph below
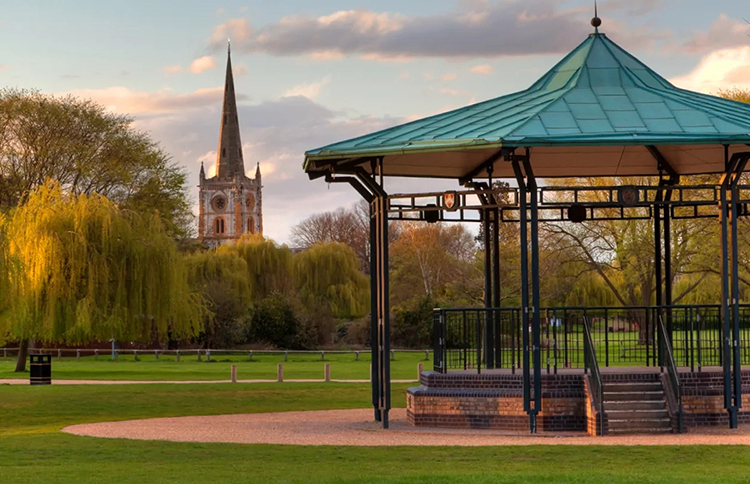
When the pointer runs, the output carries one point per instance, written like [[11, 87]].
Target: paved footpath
[[12, 381], [356, 428]]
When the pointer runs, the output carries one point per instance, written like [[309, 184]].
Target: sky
[[309, 73]]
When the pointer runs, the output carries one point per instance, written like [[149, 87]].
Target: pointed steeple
[[257, 171], [229, 160]]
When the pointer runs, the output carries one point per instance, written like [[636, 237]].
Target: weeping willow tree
[[269, 267], [222, 277], [329, 274], [81, 270]]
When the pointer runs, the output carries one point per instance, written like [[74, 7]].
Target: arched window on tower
[[250, 225], [219, 226]]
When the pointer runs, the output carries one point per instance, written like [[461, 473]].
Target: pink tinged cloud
[[485, 69], [720, 70], [477, 28], [203, 64]]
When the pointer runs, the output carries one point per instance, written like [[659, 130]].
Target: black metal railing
[[479, 338], [666, 358], [592, 365]]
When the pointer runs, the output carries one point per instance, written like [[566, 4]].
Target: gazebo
[[599, 112]]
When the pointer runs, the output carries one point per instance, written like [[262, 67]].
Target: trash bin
[[41, 369]]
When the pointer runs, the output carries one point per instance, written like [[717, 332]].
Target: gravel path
[[356, 428]]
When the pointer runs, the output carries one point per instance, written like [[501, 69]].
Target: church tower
[[230, 203]]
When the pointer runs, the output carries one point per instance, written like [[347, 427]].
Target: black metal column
[[374, 285], [524, 243], [489, 335], [725, 297], [535, 291], [496, 286]]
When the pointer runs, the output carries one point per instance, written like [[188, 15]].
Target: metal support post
[[535, 289], [523, 216]]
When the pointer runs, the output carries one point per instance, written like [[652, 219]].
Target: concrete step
[[658, 430], [630, 405], [633, 387], [611, 396], [640, 424], [619, 415]]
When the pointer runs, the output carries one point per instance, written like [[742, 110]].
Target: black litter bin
[[41, 369]]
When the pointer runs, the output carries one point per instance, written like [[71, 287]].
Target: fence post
[[234, 373], [5, 352], [59, 354], [328, 372], [156, 354], [250, 355], [199, 355], [178, 356], [117, 355], [135, 355], [370, 372], [96, 355], [280, 372], [356, 358], [208, 355], [78, 355], [420, 369], [286, 355], [393, 355], [322, 355], [426, 355]]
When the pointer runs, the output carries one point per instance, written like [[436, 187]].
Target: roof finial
[[229, 45], [596, 22]]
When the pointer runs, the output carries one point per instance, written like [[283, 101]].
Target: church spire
[[229, 162]]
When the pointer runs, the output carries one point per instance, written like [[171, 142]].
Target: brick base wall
[[492, 401]]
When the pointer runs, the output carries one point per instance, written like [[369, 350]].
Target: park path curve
[[356, 428]]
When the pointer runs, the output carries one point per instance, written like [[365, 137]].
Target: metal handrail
[[667, 360], [591, 364]]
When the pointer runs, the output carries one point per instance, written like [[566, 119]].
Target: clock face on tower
[[250, 201], [219, 203]]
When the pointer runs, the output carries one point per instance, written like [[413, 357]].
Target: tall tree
[[87, 150], [329, 274], [82, 270]]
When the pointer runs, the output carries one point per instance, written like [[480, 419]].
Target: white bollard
[[426, 354], [356, 358], [178, 356], [156, 354], [250, 355], [59, 354], [393, 355], [78, 355], [328, 372], [234, 373], [280, 372], [96, 354], [286, 356], [323, 355], [135, 355]]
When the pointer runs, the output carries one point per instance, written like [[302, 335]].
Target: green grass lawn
[[33, 450], [298, 366]]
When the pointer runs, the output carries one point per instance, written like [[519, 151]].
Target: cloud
[[724, 33], [453, 92], [123, 100], [220, 11], [477, 28], [451, 76], [239, 70], [202, 64], [4, 67], [172, 69], [404, 76], [236, 29], [485, 69], [720, 70], [310, 91]]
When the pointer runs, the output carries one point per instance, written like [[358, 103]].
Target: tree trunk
[[23, 350]]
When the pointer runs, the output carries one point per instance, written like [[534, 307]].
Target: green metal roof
[[599, 97]]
